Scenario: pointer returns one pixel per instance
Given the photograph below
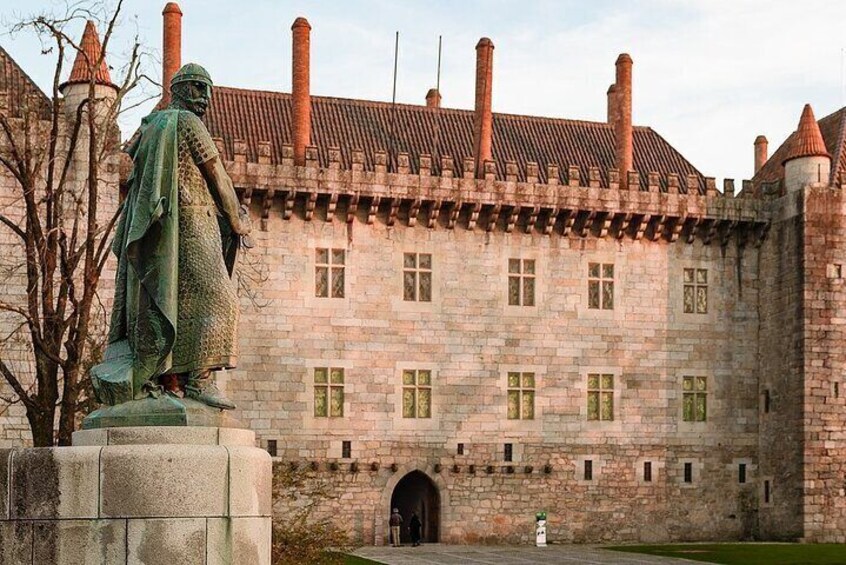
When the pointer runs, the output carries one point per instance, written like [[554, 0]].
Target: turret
[[807, 161], [85, 66]]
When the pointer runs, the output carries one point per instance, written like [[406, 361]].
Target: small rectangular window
[[647, 471], [688, 472], [741, 473], [328, 392], [601, 286], [417, 277], [521, 282], [694, 399], [271, 447], [509, 452], [600, 397], [835, 389], [329, 265], [521, 396], [767, 492], [766, 401], [588, 470], [346, 449], [460, 449], [416, 393], [696, 291]]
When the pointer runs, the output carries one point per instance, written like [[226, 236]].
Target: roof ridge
[[839, 157], [384, 104], [28, 78]]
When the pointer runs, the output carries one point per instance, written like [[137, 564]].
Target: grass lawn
[[748, 553]]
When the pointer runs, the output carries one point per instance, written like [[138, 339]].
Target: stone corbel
[[413, 212], [474, 215], [310, 204], [641, 227], [493, 217], [533, 219], [453, 214], [266, 203], [372, 208], [333, 204], [512, 219], [290, 196], [392, 213], [434, 212], [352, 207]]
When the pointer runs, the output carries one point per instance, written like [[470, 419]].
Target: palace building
[[478, 316]]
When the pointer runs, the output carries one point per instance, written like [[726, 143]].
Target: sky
[[709, 76]]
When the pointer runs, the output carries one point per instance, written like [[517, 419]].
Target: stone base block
[[146, 495]]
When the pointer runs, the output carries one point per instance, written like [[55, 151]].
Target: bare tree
[[63, 161]]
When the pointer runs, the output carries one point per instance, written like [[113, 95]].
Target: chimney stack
[[433, 98], [300, 90], [760, 152], [483, 118], [171, 46], [612, 104], [623, 120]]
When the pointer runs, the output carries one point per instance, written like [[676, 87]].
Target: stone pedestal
[[143, 495]]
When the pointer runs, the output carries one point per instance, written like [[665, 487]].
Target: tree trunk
[[41, 423]]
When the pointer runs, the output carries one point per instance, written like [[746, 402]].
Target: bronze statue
[[175, 314]]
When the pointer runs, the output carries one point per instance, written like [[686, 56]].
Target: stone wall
[[824, 395], [470, 338], [781, 346]]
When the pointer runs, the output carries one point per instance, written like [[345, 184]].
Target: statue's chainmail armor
[[208, 302]]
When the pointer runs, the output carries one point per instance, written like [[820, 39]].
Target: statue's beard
[[197, 105]]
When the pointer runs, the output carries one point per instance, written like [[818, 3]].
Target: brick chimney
[[300, 90], [760, 152], [623, 121], [612, 111], [483, 118], [171, 46], [433, 98]]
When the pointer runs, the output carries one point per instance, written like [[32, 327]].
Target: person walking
[[414, 527], [396, 525]]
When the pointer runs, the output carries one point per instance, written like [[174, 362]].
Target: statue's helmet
[[191, 72]]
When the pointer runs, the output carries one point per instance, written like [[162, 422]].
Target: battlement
[[371, 186]]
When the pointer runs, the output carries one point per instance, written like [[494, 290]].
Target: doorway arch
[[416, 492]]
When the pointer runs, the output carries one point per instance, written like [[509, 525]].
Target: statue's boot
[[204, 389]]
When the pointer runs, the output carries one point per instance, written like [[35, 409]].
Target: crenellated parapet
[[651, 208]]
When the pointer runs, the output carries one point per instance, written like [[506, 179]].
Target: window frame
[[601, 280], [694, 285], [695, 394], [329, 386], [524, 279], [601, 392], [416, 272], [521, 389], [332, 269], [416, 388]]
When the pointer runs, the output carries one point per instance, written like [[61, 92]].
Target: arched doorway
[[417, 493]]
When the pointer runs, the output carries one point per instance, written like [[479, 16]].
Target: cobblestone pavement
[[437, 554]]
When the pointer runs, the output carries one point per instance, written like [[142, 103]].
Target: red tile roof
[[254, 116], [86, 57], [833, 131], [19, 88], [808, 141]]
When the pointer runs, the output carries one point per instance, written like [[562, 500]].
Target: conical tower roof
[[90, 50], [808, 140]]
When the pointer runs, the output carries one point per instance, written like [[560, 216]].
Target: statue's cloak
[[143, 324]]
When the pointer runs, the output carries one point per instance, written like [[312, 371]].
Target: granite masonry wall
[[470, 338], [823, 398], [781, 347]]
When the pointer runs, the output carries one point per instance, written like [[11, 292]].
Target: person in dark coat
[[414, 528]]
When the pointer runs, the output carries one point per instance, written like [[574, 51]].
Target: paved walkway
[[437, 554]]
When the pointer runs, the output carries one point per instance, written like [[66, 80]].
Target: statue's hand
[[242, 225]]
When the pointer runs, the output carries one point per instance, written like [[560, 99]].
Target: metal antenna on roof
[[393, 105], [435, 148]]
